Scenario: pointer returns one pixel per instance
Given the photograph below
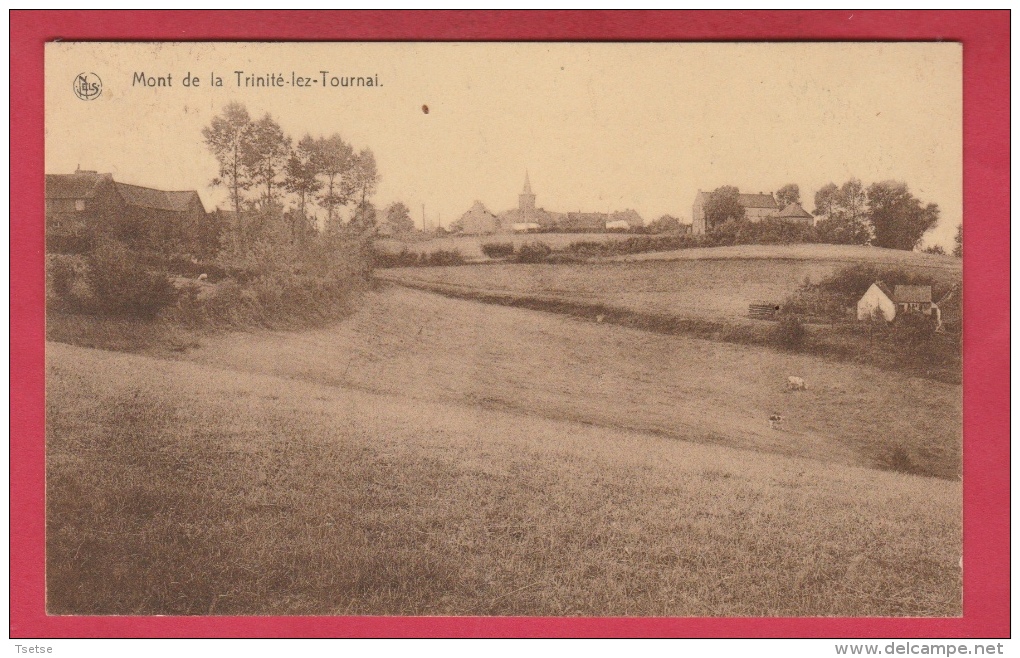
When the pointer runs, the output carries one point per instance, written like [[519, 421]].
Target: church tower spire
[[526, 198]]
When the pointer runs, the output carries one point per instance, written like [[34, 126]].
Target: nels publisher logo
[[87, 86]]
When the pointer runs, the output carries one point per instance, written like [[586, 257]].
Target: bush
[[65, 242], [111, 281], [533, 252], [275, 300], [635, 245], [122, 286], [823, 306], [589, 248], [914, 330], [406, 258], [498, 249], [441, 257], [789, 333], [67, 285]]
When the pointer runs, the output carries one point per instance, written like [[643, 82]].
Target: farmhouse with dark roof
[[90, 203], [756, 208]]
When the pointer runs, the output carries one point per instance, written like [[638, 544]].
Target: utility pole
[[424, 222]]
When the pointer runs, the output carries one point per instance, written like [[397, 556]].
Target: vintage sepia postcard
[[504, 329]]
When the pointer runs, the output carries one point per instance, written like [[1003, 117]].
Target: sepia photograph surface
[[504, 329]]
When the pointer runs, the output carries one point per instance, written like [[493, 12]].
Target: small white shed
[[877, 302]]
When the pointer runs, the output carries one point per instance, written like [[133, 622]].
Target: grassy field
[[707, 284], [433, 348], [470, 246], [703, 289], [267, 487], [438, 456], [833, 253], [705, 293]]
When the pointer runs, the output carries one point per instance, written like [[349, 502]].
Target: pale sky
[[597, 126]]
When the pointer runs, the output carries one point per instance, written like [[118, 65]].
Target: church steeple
[[526, 198]]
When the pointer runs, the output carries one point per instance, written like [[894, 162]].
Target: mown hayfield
[[470, 246], [714, 284], [182, 488]]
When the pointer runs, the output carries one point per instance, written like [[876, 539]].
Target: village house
[[169, 220], [879, 301], [912, 298], [794, 213], [624, 220], [77, 206], [528, 217], [477, 221], [87, 204], [756, 208]]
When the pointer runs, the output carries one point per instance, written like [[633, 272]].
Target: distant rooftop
[[795, 210], [79, 185], [759, 200], [146, 197]]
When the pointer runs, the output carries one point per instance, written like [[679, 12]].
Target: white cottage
[[877, 302], [880, 301]]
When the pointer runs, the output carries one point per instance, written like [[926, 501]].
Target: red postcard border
[[985, 39]]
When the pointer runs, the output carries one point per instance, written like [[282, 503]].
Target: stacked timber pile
[[762, 311]]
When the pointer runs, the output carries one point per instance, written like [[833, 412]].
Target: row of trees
[[259, 164], [884, 214]]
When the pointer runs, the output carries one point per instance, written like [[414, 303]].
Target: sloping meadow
[[176, 488]]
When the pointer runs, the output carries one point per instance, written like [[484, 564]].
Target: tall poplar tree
[[364, 175], [228, 136], [334, 167], [302, 173], [265, 156]]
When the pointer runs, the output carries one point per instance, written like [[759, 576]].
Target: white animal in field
[[599, 318], [203, 277], [795, 384]]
